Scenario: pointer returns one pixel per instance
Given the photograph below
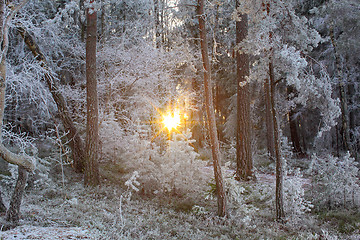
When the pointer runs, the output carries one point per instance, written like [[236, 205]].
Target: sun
[[171, 120]]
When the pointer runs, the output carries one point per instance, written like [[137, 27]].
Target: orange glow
[[171, 120]]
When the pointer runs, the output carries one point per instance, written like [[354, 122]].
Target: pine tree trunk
[[343, 97], [210, 112], [92, 122], [157, 24], [76, 143], [13, 213], [102, 23], [243, 133], [268, 109], [269, 121], [82, 23], [293, 125], [294, 133], [280, 214]]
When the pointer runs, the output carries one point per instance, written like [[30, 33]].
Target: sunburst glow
[[171, 120]]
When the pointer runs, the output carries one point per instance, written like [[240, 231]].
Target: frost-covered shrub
[[294, 195], [180, 170], [335, 181], [171, 166], [244, 198]]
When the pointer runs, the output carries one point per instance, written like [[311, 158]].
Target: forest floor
[[62, 208]]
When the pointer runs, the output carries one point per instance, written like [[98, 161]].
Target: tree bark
[[76, 143], [244, 163], [92, 121], [13, 213], [221, 199]]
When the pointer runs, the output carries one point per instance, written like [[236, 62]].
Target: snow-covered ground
[[104, 213], [45, 233]]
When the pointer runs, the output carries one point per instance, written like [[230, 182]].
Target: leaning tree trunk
[[92, 123], [75, 142], [13, 213], [210, 113], [244, 161]]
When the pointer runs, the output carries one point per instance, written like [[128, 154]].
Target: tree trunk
[[81, 22], [92, 121], [279, 189], [13, 213], [294, 133], [210, 113], [268, 121], [244, 162], [343, 97], [102, 22], [280, 214], [76, 143], [157, 24], [2, 205], [293, 125], [268, 111]]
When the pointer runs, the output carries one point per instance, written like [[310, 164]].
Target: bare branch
[[17, 159]]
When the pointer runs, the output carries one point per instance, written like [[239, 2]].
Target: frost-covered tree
[[336, 54], [335, 182], [20, 160], [40, 74], [292, 41], [24, 162], [280, 42]]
